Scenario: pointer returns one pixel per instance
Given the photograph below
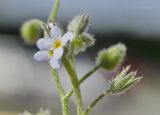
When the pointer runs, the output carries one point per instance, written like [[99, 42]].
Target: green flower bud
[[83, 42], [31, 31], [112, 57], [79, 24], [123, 81]]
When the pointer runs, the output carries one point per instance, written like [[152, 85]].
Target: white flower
[[52, 48]]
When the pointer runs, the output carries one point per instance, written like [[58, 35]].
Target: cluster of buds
[[82, 39]]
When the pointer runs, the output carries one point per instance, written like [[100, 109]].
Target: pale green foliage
[[79, 24], [82, 42], [112, 57], [25, 113], [41, 112], [31, 31], [123, 81]]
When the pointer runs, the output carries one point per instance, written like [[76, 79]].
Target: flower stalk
[[74, 80], [54, 12], [86, 76], [64, 100], [98, 98]]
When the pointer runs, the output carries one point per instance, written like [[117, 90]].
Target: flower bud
[[79, 24], [83, 42], [112, 57], [31, 31], [123, 81]]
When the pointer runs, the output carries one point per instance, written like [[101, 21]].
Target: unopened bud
[[112, 57], [79, 24], [31, 31], [123, 81], [83, 42]]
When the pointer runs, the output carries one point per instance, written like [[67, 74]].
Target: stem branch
[[86, 76], [91, 106]]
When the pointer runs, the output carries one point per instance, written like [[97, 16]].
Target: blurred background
[[27, 85]]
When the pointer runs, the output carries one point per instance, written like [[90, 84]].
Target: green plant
[[59, 48]]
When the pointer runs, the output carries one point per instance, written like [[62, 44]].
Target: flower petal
[[57, 53], [54, 63], [55, 32], [41, 56], [45, 44], [68, 36]]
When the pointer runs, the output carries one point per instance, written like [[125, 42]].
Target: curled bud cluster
[[123, 81], [31, 31], [112, 57], [82, 40]]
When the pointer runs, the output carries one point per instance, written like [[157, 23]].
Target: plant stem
[[64, 101], [74, 79], [91, 106], [65, 106], [86, 76], [54, 12]]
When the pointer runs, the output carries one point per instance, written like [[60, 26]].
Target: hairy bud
[[31, 31], [79, 24], [112, 57], [83, 42], [123, 81]]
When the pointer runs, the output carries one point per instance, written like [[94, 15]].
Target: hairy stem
[[64, 101], [86, 76], [54, 12], [74, 80], [98, 98]]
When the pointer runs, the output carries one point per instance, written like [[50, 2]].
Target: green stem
[[64, 100], [86, 76], [91, 106], [54, 12], [65, 106], [74, 79]]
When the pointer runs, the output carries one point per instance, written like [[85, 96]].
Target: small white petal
[[50, 25], [54, 63], [55, 32], [41, 56], [57, 53], [45, 44], [68, 36]]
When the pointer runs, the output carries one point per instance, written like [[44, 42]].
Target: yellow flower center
[[51, 53], [57, 44]]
